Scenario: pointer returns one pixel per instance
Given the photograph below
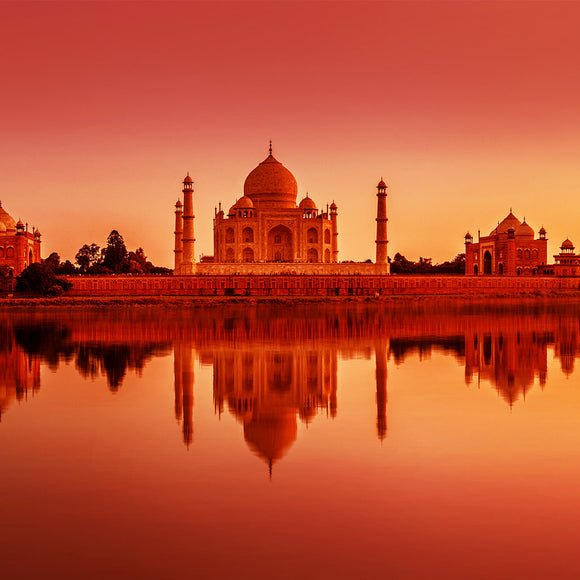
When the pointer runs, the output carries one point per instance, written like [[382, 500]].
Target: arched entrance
[[500, 269], [475, 270], [487, 262], [312, 255], [280, 244], [248, 255]]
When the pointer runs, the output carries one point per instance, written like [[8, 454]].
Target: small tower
[[187, 242], [178, 235], [381, 240], [333, 219]]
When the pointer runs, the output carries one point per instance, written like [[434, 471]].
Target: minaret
[[381, 223], [187, 244], [178, 235], [333, 217]]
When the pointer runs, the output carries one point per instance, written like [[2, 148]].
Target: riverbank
[[212, 301]]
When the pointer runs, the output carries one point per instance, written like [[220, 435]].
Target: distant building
[[567, 261], [509, 250], [18, 247], [266, 229]]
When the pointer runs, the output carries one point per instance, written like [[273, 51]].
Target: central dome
[[271, 184]]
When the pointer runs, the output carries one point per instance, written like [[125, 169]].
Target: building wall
[[315, 285], [508, 256], [311, 237], [18, 251]]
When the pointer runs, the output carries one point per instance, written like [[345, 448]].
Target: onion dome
[[567, 245], [307, 203], [179, 204], [509, 222], [19, 225], [244, 203], [524, 230], [187, 179], [468, 236], [333, 206], [271, 184], [542, 231], [381, 183], [6, 219]]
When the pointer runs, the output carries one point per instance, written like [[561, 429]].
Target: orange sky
[[465, 108]]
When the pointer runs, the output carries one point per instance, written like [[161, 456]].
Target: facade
[[509, 250], [267, 232], [18, 247], [266, 224]]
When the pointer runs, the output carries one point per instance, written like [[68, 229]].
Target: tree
[[87, 256], [66, 269], [40, 279], [115, 254], [53, 261]]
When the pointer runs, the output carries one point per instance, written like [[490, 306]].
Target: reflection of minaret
[[381, 378], [183, 369]]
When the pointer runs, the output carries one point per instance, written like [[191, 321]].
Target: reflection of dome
[[307, 203], [524, 230], [271, 183], [510, 221], [270, 436], [6, 219], [244, 203]]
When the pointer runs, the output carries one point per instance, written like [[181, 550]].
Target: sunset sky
[[464, 108]]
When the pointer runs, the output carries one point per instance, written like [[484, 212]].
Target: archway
[[487, 262], [248, 255], [312, 255], [248, 235], [327, 236], [230, 236], [280, 244], [500, 269], [312, 236], [475, 270], [327, 256], [229, 255]]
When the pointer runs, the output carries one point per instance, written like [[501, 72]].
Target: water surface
[[423, 440]]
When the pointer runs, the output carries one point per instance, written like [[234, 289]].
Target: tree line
[[113, 258], [400, 265]]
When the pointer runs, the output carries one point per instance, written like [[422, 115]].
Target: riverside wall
[[316, 285]]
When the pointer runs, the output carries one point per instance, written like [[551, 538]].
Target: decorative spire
[[270, 148]]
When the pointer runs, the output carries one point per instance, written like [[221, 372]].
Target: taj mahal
[[267, 230]]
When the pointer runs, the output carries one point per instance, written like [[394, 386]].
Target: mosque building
[[267, 227], [18, 246], [509, 250]]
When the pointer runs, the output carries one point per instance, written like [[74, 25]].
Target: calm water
[[429, 440]]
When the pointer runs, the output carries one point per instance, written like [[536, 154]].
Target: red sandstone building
[[509, 250], [18, 247]]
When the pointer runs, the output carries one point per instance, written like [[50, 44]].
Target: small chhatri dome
[[271, 184], [232, 211], [307, 203], [524, 230], [178, 204], [381, 183], [567, 244], [187, 179], [19, 224], [542, 230], [333, 206], [244, 203], [468, 236]]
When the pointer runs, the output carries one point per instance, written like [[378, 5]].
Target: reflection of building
[[509, 250], [18, 247], [19, 371], [266, 388], [183, 386]]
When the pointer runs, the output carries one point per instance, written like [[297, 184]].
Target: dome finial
[[270, 147]]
